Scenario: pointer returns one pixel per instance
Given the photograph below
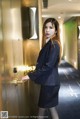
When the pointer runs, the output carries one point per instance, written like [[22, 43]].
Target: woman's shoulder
[[55, 43]]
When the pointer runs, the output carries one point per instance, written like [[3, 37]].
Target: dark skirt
[[48, 96]]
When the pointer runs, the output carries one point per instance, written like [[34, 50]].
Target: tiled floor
[[69, 95]]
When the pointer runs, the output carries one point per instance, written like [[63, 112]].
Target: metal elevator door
[[19, 99], [13, 96]]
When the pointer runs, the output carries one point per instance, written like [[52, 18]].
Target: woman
[[46, 72]]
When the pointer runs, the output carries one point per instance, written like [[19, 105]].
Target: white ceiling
[[63, 8]]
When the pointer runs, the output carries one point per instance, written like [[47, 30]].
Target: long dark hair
[[57, 35]]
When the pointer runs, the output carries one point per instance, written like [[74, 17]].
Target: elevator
[[18, 55]]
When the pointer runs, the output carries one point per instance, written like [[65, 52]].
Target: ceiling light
[[59, 17], [69, 0]]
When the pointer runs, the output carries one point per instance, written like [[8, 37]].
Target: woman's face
[[49, 30]]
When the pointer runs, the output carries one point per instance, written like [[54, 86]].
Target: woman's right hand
[[25, 78]]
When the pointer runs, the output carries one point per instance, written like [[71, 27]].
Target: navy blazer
[[46, 72]]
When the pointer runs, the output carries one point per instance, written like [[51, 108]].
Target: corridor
[[69, 96], [21, 23]]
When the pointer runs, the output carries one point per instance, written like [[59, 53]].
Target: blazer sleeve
[[53, 56]]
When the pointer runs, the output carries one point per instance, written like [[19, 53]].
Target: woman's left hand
[[25, 78]]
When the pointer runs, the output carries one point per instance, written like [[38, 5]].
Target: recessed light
[[69, 0], [59, 17]]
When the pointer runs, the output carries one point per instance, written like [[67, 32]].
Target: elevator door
[[17, 98], [13, 96]]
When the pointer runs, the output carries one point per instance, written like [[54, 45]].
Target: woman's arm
[[53, 56]]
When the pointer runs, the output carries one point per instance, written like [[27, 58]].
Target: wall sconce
[[78, 32], [29, 17]]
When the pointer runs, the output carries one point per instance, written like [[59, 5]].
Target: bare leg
[[41, 113], [54, 113]]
